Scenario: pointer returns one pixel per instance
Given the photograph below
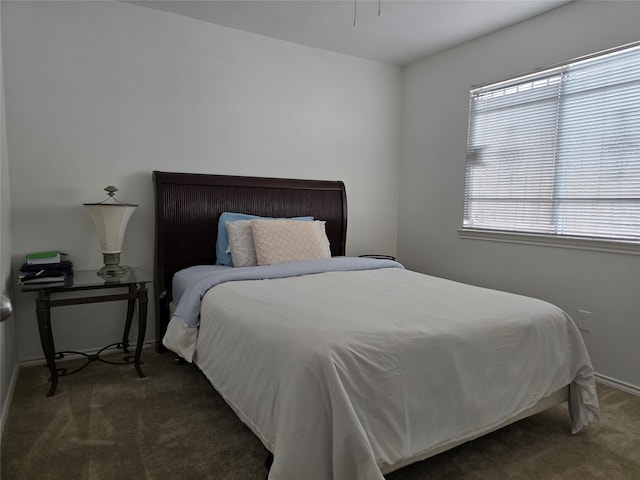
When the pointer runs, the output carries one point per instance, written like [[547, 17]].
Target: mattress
[[345, 375]]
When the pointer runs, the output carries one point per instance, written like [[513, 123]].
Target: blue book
[[65, 265]]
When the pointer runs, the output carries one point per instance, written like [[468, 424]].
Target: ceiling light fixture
[[355, 11]]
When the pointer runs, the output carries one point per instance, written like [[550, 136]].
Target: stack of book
[[46, 269]]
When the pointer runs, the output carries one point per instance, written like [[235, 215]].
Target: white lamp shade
[[111, 222]]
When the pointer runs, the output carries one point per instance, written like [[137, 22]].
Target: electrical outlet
[[584, 320]]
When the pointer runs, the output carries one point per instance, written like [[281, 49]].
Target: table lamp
[[110, 218]]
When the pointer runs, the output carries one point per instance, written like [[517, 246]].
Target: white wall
[[432, 172], [102, 93], [8, 357]]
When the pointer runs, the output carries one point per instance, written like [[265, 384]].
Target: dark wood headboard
[[189, 205]]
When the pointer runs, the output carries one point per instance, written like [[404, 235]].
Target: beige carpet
[[106, 423]]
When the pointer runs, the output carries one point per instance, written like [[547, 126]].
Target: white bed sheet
[[344, 374]]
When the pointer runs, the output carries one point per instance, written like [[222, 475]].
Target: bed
[[349, 368]]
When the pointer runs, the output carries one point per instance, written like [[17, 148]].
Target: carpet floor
[[105, 423]]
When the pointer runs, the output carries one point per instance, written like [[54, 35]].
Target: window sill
[[578, 243]]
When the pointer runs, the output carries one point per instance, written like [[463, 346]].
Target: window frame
[[625, 246]]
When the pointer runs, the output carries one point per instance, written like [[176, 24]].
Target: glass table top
[[90, 279]]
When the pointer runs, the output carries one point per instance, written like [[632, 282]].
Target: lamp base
[[112, 268]]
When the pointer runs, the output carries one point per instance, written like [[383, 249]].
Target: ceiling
[[405, 31]]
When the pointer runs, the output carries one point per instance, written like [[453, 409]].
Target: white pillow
[[243, 251], [283, 241]]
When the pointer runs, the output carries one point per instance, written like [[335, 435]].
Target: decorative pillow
[[243, 250], [283, 241], [223, 254]]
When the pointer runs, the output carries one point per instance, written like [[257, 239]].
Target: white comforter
[[343, 375]]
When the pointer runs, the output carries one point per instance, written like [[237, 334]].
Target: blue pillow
[[222, 243]]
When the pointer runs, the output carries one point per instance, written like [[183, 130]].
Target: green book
[[40, 258]]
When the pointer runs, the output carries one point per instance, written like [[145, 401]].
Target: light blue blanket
[[205, 277]]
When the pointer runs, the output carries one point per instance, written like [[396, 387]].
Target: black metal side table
[[134, 280]]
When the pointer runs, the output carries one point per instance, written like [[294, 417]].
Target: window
[[557, 152]]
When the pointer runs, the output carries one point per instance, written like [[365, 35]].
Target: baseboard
[[612, 382], [9, 397]]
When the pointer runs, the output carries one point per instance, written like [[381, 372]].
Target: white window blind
[[557, 152]]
